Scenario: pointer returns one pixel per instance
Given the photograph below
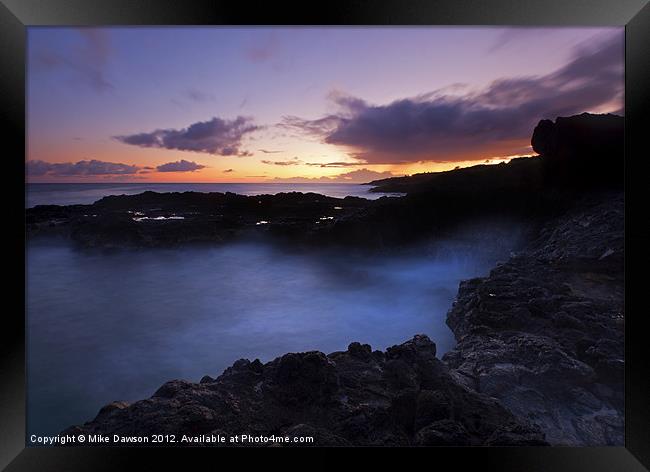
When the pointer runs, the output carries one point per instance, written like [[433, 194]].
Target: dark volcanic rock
[[404, 396], [543, 333], [152, 219], [583, 150]]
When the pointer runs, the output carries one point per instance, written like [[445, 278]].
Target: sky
[[254, 104]]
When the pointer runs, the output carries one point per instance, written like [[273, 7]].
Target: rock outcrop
[[578, 150], [543, 333], [404, 396], [152, 219]]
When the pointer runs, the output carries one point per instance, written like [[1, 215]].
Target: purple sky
[[332, 104]]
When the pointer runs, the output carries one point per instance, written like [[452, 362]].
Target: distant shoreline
[[85, 193], [199, 183]]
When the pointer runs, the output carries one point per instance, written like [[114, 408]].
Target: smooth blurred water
[[115, 326], [87, 193]]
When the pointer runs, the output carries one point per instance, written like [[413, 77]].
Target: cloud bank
[[180, 166], [291, 162], [216, 136], [92, 167], [266, 151], [496, 121]]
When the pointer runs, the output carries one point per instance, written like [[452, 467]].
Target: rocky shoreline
[[543, 333], [403, 396], [152, 219]]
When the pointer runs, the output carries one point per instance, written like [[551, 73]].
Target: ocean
[[87, 193]]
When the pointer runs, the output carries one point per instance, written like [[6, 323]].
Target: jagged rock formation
[[404, 396], [543, 332], [578, 150], [152, 219]]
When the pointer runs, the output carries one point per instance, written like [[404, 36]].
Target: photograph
[[325, 236], [369, 227]]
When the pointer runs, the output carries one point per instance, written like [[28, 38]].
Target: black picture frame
[[17, 15]]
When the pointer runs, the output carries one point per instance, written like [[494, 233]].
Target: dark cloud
[[92, 167], [216, 136], [228, 171], [122, 178], [496, 121], [37, 167], [335, 164], [180, 166], [266, 151], [293, 162], [355, 176], [89, 61], [317, 127]]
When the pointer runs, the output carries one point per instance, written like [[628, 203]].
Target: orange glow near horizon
[[304, 160], [213, 175]]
